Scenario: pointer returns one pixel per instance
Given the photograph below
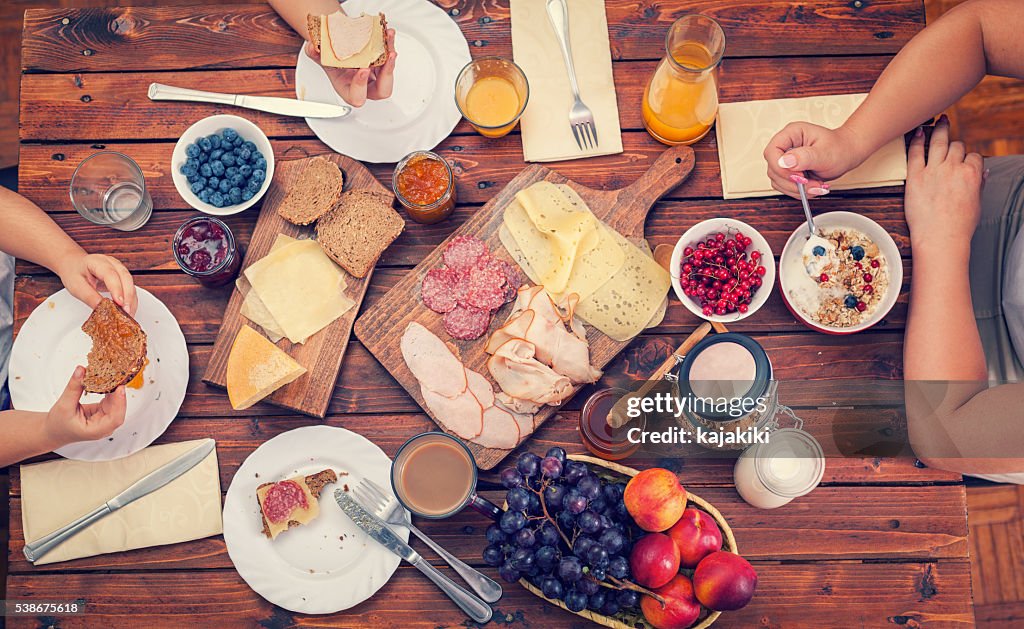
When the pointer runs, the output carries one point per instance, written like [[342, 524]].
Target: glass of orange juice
[[681, 99], [491, 93]]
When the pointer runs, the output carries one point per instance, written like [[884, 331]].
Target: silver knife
[[142, 487], [272, 104], [474, 607]]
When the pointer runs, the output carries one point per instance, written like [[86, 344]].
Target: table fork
[[387, 507], [581, 119]]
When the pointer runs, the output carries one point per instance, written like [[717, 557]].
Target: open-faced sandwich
[[291, 502], [349, 42], [118, 351]]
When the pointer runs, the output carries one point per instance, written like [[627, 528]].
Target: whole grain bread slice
[[315, 482], [118, 351], [359, 229], [313, 28], [313, 193]]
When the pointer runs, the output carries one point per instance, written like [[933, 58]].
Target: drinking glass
[[681, 100], [491, 93], [108, 188]]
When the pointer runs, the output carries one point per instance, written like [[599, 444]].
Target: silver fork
[[581, 119], [387, 507]]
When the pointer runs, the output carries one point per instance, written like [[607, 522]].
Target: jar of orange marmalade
[[425, 186]]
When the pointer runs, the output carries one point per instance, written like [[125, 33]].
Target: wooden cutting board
[[381, 327], [322, 353]]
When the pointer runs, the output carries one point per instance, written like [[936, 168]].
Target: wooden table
[[882, 542]]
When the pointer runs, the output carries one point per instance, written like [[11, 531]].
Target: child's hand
[[817, 153], [356, 86], [69, 420], [84, 275]]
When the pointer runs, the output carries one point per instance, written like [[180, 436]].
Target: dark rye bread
[[315, 482], [313, 28], [118, 348], [314, 193], [356, 232]]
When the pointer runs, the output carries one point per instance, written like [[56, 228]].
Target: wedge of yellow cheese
[[257, 368]]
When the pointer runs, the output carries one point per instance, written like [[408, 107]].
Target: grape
[[570, 569], [523, 559], [528, 464], [589, 522], [613, 540], [599, 504], [511, 478], [598, 573], [597, 556], [554, 495], [606, 522], [566, 521], [589, 486], [621, 512], [508, 572], [610, 607], [518, 499], [512, 521], [574, 471], [588, 586], [551, 587], [557, 453], [628, 598], [576, 601], [548, 535], [533, 507], [582, 546], [618, 567], [493, 556], [495, 535], [596, 600], [551, 467], [525, 538], [547, 557], [574, 503]]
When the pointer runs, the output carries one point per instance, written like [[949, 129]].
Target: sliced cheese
[[300, 515], [369, 53], [301, 287], [253, 307], [257, 368]]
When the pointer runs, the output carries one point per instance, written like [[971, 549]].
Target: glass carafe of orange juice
[[681, 99]]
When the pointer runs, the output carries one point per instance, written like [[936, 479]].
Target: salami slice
[[466, 323], [464, 252], [282, 499], [440, 288], [485, 288]]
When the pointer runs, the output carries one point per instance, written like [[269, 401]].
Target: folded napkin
[[57, 492], [547, 136], [744, 129]]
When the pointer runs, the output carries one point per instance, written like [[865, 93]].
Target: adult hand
[[943, 194], [69, 420], [85, 274], [815, 153], [356, 86]]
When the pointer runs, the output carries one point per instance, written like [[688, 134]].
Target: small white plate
[[51, 344], [329, 564], [421, 111]]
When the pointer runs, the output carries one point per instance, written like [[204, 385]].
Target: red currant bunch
[[720, 274]]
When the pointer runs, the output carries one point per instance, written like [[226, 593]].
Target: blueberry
[[216, 153], [192, 150], [198, 187], [250, 146], [228, 159], [857, 252], [237, 141], [257, 155], [204, 195], [245, 154], [229, 134], [213, 182], [254, 185], [236, 151], [192, 176], [200, 180], [818, 251], [247, 194], [224, 185], [204, 144], [203, 157], [850, 301], [260, 163], [231, 171], [235, 194], [237, 180], [245, 170], [192, 162], [214, 140], [259, 174], [217, 199], [205, 170], [188, 171], [217, 167]]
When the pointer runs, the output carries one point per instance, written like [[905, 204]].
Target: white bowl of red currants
[[722, 270]]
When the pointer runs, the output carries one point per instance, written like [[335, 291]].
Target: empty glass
[[108, 188]]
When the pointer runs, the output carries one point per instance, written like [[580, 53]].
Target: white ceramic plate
[[51, 344], [329, 564], [421, 111]]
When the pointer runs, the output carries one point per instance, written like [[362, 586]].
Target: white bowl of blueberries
[[222, 165]]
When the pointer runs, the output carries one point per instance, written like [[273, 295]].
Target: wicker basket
[[614, 469]]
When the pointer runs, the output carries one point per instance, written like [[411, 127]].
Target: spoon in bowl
[[814, 240]]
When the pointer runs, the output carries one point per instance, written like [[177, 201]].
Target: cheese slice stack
[[257, 368]]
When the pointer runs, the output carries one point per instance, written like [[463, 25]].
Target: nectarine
[[697, 535], [724, 581], [654, 560], [655, 499], [681, 606]]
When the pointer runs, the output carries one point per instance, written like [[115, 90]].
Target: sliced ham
[[461, 415], [480, 388], [501, 430], [516, 405], [432, 362], [519, 374], [349, 35]]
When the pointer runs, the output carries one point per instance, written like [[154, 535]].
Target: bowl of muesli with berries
[[845, 281]]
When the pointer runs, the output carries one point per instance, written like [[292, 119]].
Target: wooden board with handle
[[322, 353], [381, 327]]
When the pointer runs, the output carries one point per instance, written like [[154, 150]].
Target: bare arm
[[295, 11]]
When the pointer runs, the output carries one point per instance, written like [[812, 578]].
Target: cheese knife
[[271, 104], [472, 605], [142, 487]]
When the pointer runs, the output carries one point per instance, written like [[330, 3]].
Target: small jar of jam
[[205, 248], [425, 186], [599, 436]]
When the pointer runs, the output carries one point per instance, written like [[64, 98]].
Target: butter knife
[[271, 104], [474, 607], [142, 487]]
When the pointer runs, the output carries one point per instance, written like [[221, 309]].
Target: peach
[[697, 535], [654, 560], [655, 499], [681, 608], [724, 581]]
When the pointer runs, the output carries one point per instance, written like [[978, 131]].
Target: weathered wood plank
[[114, 106], [830, 595], [173, 38]]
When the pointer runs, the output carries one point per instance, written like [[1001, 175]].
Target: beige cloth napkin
[[57, 492], [546, 133], [744, 129]]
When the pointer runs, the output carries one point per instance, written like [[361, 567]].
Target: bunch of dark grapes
[[566, 531]]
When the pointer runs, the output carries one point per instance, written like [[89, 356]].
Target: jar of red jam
[[425, 186], [205, 248]]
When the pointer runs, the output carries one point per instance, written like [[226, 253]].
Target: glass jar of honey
[[597, 433], [425, 186], [681, 100]]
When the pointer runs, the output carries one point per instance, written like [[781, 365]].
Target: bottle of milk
[[790, 465]]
